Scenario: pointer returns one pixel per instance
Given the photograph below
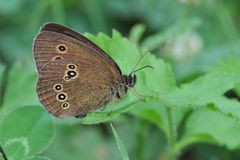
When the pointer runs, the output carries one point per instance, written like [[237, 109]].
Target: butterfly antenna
[[147, 66], [139, 60], [3, 153]]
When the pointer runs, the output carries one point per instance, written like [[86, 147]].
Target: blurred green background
[[192, 35]]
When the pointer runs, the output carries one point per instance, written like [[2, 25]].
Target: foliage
[[187, 107], [121, 147]]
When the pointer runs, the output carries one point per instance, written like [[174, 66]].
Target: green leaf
[[150, 82], [32, 125], [103, 116], [20, 90], [209, 125], [152, 111], [38, 158], [82, 142], [119, 48], [159, 80], [204, 90], [136, 33], [16, 149], [120, 145], [156, 112], [230, 65]]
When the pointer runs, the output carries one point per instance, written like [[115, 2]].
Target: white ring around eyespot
[[62, 100], [75, 67], [61, 45], [65, 107], [55, 85]]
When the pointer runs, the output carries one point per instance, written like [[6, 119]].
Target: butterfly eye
[[72, 66], [65, 105], [62, 48], [71, 74], [62, 96], [58, 87]]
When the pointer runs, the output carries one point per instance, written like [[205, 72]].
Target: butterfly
[[75, 75]]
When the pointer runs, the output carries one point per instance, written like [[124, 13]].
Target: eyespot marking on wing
[[57, 57], [65, 105], [71, 72], [58, 87], [66, 78], [61, 97], [62, 48], [71, 66]]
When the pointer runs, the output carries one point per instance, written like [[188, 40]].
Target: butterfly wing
[[53, 36], [80, 94], [53, 27], [56, 53]]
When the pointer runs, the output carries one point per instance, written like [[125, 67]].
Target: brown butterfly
[[75, 75]]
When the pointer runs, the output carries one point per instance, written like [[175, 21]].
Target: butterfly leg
[[110, 112]]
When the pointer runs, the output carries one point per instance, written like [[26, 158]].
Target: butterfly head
[[130, 80]]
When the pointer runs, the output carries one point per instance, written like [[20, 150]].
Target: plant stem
[[2, 153], [171, 135]]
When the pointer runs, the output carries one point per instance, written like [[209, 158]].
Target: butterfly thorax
[[127, 81]]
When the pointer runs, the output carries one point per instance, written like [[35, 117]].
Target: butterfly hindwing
[[65, 89]]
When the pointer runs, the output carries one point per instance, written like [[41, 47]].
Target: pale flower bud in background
[[195, 2], [183, 47]]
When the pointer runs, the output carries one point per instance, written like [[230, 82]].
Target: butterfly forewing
[[47, 47], [68, 32]]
